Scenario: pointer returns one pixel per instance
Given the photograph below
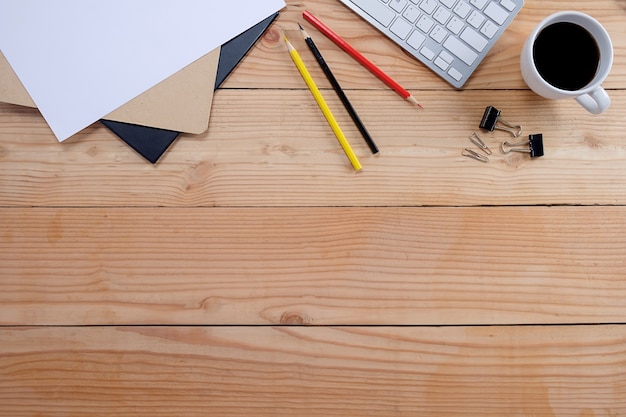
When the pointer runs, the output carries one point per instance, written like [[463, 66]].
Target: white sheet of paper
[[80, 60]]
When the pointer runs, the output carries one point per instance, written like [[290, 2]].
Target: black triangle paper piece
[[235, 49], [152, 142]]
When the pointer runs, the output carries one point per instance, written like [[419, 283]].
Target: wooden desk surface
[[251, 272]]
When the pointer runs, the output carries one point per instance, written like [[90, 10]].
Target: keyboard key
[[416, 39], [460, 50], [398, 5], [508, 4], [497, 13], [377, 10], [476, 19], [438, 34], [451, 36], [441, 63], [462, 9], [479, 4], [489, 29], [446, 56], [455, 25], [401, 28], [425, 24], [442, 15], [428, 53], [456, 74], [429, 6], [411, 14], [474, 39]]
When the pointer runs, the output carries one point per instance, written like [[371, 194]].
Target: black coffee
[[566, 56]]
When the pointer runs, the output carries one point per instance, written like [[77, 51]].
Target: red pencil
[[359, 57]]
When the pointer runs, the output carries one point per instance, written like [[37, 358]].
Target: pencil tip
[[414, 101], [304, 34], [289, 45]]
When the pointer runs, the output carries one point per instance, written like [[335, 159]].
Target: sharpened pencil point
[[304, 34], [414, 101], [289, 45]]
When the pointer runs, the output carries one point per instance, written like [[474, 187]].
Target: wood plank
[[300, 371], [260, 151], [348, 266], [261, 222], [268, 64]]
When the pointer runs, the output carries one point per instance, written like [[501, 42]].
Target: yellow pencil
[[323, 106]]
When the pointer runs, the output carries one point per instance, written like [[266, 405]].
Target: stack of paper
[[151, 63]]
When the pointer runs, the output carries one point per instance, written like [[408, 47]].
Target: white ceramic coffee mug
[[591, 95]]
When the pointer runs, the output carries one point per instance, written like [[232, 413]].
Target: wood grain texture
[[358, 266], [251, 272], [273, 147], [287, 371]]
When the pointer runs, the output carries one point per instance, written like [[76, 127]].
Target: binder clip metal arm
[[533, 146], [477, 140], [474, 155], [491, 120]]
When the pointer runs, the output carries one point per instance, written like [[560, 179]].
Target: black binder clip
[[490, 120], [533, 146]]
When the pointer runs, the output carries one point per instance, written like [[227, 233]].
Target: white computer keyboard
[[451, 37]]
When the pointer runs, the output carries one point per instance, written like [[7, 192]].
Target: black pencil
[[339, 91]]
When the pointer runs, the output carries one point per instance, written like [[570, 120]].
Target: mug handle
[[596, 101]]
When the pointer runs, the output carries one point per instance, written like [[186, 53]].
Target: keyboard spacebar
[[377, 10]]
